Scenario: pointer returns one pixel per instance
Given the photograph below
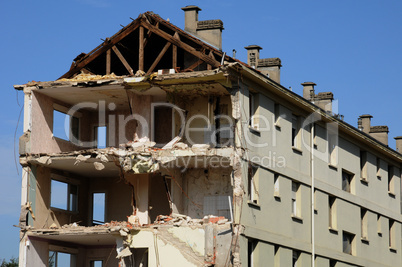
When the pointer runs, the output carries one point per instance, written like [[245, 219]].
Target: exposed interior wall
[[118, 197], [141, 105], [45, 216], [37, 253], [42, 139], [199, 183], [105, 254], [202, 109]]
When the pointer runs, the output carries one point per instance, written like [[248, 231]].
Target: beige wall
[[271, 220]]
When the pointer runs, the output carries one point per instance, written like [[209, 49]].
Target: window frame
[[72, 205]]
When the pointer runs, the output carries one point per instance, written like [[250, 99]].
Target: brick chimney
[[380, 133], [322, 99], [208, 30], [270, 67], [398, 144]]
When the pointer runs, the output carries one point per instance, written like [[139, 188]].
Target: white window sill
[[297, 150], [333, 230], [297, 218]]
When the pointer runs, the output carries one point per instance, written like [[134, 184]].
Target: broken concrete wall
[[42, 139], [164, 250], [201, 185], [45, 216], [141, 105]]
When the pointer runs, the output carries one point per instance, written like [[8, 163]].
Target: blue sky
[[352, 48]]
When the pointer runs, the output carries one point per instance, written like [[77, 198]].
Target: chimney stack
[[253, 55], [308, 90], [365, 123], [191, 18], [380, 133], [398, 144], [208, 30], [270, 67]]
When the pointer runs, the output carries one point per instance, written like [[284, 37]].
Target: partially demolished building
[[158, 149]]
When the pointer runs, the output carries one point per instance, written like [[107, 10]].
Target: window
[[296, 211], [253, 109], [391, 189], [252, 183], [295, 131], [98, 208], [101, 136], [64, 196], [348, 240], [65, 127], [331, 212], [392, 236], [363, 218], [378, 168], [363, 165], [295, 258], [96, 263], [332, 263], [61, 259], [347, 181], [332, 148], [276, 185]]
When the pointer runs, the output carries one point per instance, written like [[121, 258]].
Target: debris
[[99, 166], [53, 226], [133, 219], [139, 73], [172, 142], [81, 158], [45, 160], [124, 253], [90, 77], [123, 233], [102, 157], [143, 164], [180, 145]]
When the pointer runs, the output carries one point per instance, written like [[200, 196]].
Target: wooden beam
[[102, 48], [211, 55], [149, 33], [108, 61], [174, 57], [182, 45], [141, 50], [123, 60], [196, 64], [164, 49], [174, 52]]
